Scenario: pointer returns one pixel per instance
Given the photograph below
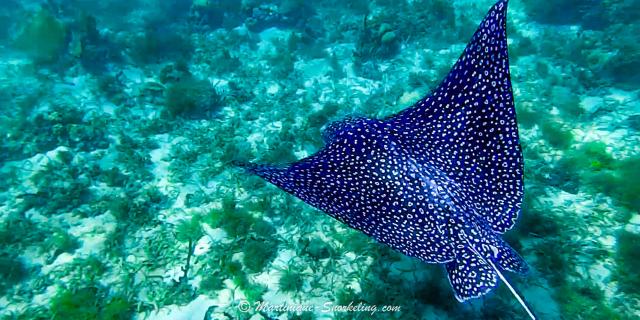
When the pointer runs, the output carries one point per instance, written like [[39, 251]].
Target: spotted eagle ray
[[441, 180]]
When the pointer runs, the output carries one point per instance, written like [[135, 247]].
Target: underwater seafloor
[[119, 120]]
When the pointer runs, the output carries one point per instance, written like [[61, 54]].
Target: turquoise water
[[120, 122]]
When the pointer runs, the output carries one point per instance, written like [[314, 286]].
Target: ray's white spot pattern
[[439, 181], [467, 126]]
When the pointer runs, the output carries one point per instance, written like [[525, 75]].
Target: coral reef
[[90, 303], [191, 98], [121, 121], [43, 37]]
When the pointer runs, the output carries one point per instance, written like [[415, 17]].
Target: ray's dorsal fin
[[467, 126]]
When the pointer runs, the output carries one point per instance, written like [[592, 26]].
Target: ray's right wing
[[467, 126]]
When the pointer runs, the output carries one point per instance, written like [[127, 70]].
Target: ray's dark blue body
[[441, 180]]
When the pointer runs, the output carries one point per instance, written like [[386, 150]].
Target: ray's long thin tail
[[513, 290], [502, 277]]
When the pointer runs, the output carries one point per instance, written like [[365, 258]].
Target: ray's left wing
[[361, 180]]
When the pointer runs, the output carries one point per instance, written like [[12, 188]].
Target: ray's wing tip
[[498, 10], [501, 4]]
